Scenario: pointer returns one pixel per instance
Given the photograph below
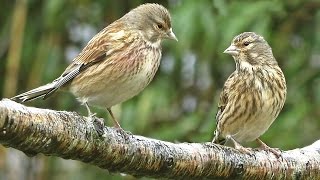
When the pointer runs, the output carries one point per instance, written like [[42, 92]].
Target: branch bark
[[71, 136]]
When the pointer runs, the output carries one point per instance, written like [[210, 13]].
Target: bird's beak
[[171, 35], [232, 50]]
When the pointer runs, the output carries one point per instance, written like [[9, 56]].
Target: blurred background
[[38, 39]]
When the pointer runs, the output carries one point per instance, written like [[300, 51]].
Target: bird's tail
[[42, 91]]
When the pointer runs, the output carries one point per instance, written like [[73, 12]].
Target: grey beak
[[171, 35], [232, 50]]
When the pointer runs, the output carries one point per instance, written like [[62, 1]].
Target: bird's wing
[[223, 101], [100, 46], [98, 49]]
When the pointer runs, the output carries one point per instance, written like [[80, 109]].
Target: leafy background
[[38, 39]]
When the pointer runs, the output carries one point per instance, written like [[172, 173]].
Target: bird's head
[[249, 47], [153, 21]]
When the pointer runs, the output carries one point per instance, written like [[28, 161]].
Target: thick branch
[[71, 136]]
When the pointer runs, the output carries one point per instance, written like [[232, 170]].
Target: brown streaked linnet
[[117, 63], [253, 95]]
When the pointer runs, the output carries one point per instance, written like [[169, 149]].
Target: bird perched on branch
[[253, 95], [117, 63]]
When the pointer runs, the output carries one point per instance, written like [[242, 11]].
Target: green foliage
[[180, 103]]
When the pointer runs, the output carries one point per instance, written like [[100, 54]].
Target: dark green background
[[38, 39]]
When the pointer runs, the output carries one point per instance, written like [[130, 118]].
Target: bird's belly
[[119, 92], [116, 87], [258, 123], [254, 128]]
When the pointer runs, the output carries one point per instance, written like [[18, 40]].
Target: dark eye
[[159, 26], [246, 43]]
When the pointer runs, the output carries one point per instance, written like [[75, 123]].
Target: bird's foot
[[125, 134], [239, 147], [276, 151], [98, 123], [242, 149], [92, 115], [99, 126]]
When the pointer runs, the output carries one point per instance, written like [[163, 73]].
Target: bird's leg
[[116, 123], [90, 114], [97, 122], [264, 146], [238, 146]]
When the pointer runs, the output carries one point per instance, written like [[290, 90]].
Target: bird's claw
[[98, 124]]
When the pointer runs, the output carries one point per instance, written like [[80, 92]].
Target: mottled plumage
[[254, 93], [117, 63]]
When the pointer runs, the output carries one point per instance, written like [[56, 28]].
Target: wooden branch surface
[[71, 136]]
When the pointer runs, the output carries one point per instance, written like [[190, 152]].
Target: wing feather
[[98, 49]]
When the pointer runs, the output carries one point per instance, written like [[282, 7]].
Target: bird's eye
[[246, 43], [159, 26]]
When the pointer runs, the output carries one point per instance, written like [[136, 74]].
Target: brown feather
[[118, 62], [254, 93]]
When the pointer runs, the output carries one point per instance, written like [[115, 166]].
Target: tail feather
[[42, 91]]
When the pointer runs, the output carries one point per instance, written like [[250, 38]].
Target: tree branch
[[71, 136]]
